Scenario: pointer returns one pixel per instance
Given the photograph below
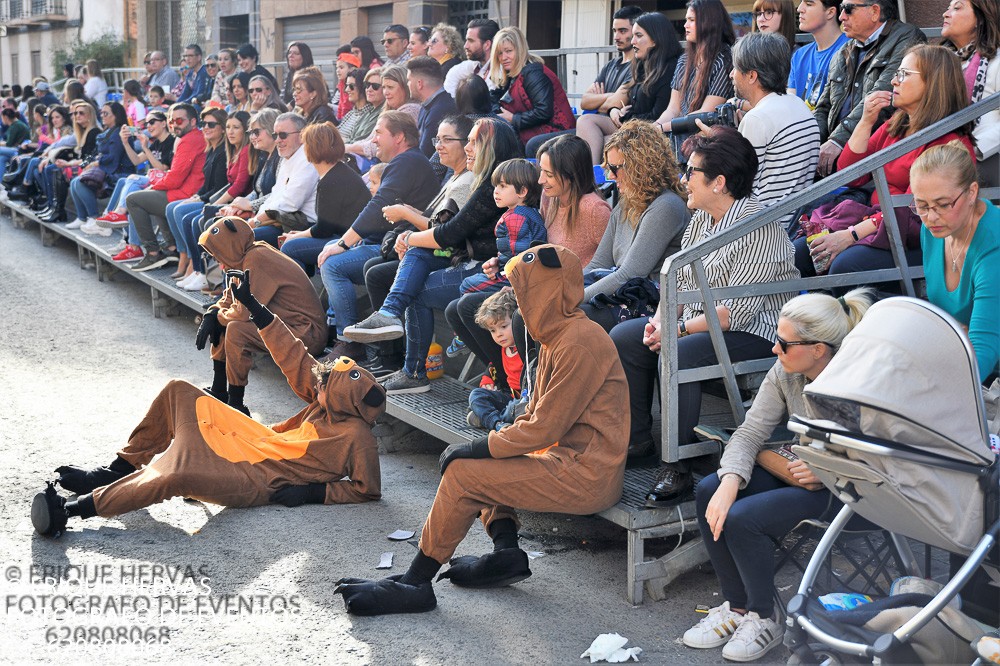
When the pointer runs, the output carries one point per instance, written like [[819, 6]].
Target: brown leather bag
[[776, 462]]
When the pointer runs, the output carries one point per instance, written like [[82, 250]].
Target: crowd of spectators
[[405, 175]]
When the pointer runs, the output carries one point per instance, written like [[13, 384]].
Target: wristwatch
[[342, 244]]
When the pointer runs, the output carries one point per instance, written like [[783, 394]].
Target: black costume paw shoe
[[672, 487], [385, 597], [497, 569], [48, 512], [82, 481], [221, 396]]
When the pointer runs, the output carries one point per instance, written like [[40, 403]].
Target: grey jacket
[[878, 66]]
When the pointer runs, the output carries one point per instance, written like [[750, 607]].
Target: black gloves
[[311, 493], [210, 328], [239, 285], [477, 448]]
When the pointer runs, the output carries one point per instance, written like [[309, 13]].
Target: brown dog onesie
[[324, 454], [566, 454], [279, 283]]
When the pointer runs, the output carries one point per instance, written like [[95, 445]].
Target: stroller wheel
[[815, 653]]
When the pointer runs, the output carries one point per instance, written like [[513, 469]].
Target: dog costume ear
[[229, 225], [375, 397], [549, 257], [536, 243]]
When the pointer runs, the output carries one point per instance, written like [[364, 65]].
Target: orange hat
[[350, 59]]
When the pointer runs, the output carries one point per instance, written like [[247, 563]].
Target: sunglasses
[[79, 113], [210, 125], [849, 7], [373, 86], [150, 121], [386, 42], [691, 169], [350, 86], [179, 121], [256, 90], [284, 135], [212, 65], [613, 168], [785, 344]]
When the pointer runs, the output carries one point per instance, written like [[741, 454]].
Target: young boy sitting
[[488, 407], [375, 177], [515, 186]]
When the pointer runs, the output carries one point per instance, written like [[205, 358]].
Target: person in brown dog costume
[[280, 284], [325, 454], [566, 454]]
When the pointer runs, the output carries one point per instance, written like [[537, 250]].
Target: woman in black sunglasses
[[359, 122], [743, 506]]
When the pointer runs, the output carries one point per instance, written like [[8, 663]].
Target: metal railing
[[670, 298]]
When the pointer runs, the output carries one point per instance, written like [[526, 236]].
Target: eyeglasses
[[902, 73], [691, 169], [210, 125], [283, 135], [373, 86], [350, 86], [785, 344], [923, 210], [256, 132], [438, 140], [849, 7], [256, 90], [766, 14]]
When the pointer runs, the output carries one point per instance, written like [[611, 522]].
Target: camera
[[724, 114]]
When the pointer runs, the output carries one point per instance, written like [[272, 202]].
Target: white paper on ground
[[385, 562], [401, 535], [611, 648], [535, 554]]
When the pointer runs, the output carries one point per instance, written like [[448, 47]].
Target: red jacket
[[186, 175], [238, 173], [538, 102]]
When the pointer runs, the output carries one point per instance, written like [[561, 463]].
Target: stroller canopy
[[906, 373]]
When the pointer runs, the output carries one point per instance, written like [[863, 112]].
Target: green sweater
[[17, 133], [976, 301]]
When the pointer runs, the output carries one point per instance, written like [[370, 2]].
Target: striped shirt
[[786, 137], [759, 257], [719, 83]]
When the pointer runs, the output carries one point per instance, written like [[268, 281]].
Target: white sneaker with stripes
[[754, 638], [714, 629]]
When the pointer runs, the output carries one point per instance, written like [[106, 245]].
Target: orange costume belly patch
[[238, 438]]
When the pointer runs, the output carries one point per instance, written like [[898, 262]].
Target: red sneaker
[[130, 253], [113, 216]]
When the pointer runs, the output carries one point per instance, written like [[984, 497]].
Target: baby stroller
[[896, 430]]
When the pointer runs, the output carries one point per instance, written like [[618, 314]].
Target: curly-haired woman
[[647, 224]]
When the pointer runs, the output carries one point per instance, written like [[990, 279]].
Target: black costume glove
[[241, 292], [311, 493], [210, 328], [477, 448]]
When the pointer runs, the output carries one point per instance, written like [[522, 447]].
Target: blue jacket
[[197, 87], [432, 112], [408, 178], [111, 155]]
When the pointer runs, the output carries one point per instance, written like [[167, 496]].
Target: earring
[[715, 190]]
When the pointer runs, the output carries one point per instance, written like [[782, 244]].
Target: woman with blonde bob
[[311, 96], [649, 221], [927, 87], [960, 238], [742, 506], [528, 94]]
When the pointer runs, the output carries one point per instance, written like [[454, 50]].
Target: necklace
[[956, 256]]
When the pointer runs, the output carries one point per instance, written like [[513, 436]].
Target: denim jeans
[[177, 212], [340, 273], [743, 557], [492, 407], [305, 250], [31, 171], [268, 234], [6, 155], [854, 259], [124, 187], [84, 199], [438, 290], [416, 265]]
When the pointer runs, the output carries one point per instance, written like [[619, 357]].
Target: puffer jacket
[[875, 72], [538, 102]]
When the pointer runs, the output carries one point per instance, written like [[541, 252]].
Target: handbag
[[775, 461], [94, 178]]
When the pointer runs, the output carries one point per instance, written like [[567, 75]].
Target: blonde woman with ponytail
[[742, 506], [960, 238]]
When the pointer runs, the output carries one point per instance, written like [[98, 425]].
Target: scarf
[[974, 73]]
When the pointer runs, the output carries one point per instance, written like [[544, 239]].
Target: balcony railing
[[31, 12]]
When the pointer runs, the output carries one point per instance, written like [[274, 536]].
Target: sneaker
[[130, 253], [113, 216], [151, 261], [403, 382], [456, 348], [122, 244], [91, 229], [375, 328], [473, 420], [112, 221], [754, 638], [76, 224], [715, 629], [196, 282]]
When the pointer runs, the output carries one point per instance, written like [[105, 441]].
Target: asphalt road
[[185, 583]]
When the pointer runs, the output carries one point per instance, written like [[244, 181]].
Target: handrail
[[671, 298]]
